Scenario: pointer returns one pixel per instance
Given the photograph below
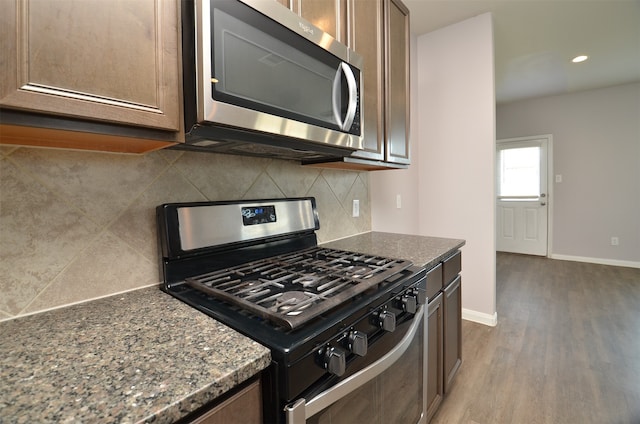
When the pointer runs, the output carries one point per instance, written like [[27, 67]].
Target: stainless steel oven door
[[390, 390]]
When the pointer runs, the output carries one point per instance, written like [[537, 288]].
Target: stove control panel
[[362, 339]]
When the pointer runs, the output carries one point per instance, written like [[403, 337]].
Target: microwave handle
[[337, 94]]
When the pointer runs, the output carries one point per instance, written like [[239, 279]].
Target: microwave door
[[259, 66]]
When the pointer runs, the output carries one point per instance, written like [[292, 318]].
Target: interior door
[[522, 195]]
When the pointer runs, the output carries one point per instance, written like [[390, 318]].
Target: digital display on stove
[[254, 215]]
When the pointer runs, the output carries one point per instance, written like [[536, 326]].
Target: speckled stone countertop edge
[[424, 251]]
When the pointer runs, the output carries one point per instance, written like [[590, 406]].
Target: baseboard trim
[[600, 261], [480, 317]]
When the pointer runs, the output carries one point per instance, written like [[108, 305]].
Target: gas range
[[255, 266]]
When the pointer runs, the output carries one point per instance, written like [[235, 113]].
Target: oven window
[[395, 396]]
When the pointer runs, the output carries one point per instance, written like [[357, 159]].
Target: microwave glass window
[[258, 70]]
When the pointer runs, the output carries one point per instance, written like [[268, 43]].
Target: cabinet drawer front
[[243, 407], [451, 267], [434, 281]]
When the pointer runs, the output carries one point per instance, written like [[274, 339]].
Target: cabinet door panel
[[367, 40], [452, 309], [435, 388], [397, 82], [111, 61]]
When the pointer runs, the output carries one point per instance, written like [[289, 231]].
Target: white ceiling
[[535, 41]]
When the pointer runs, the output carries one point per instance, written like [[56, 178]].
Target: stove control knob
[[386, 320], [335, 360], [357, 341], [421, 295], [410, 303]]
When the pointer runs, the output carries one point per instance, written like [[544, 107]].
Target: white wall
[[596, 140], [453, 118]]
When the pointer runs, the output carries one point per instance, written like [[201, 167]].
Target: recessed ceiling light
[[579, 59]]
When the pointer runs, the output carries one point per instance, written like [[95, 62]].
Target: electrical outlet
[[615, 241], [398, 202], [356, 208], [558, 178]]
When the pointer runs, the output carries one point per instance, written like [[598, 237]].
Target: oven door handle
[[298, 411]]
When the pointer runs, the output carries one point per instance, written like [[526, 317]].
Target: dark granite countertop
[[144, 356], [421, 250], [141, 356]]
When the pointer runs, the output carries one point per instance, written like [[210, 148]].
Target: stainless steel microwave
[[260, 80]]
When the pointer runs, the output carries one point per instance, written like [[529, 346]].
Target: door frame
[[550, 182]]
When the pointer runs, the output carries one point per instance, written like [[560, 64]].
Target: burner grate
[[291, 289]]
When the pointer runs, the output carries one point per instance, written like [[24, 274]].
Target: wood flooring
[[566, 348]]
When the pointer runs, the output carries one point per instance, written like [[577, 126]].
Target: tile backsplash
[[77, 225]]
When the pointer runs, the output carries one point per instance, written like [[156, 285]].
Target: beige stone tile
[[101, 185], [340, 181], [107, 266], [334, 223], [221, 177], [137, 224], [364, 178], [4, 316], [292, 178], [39, 235], [7, 149], [264, 188], [169, 155]]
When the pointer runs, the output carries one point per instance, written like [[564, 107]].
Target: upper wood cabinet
[[367, 39], [397, 44], [328, 15], [97, 60], [379, 31]]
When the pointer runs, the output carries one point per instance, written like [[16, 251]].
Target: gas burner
[[307, 280], [292, 300], [359, 271]]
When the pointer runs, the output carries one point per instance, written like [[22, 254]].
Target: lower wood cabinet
[[452, 345], [243, 407], [445, 329]]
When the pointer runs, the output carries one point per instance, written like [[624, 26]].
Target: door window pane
[[519, 172]]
